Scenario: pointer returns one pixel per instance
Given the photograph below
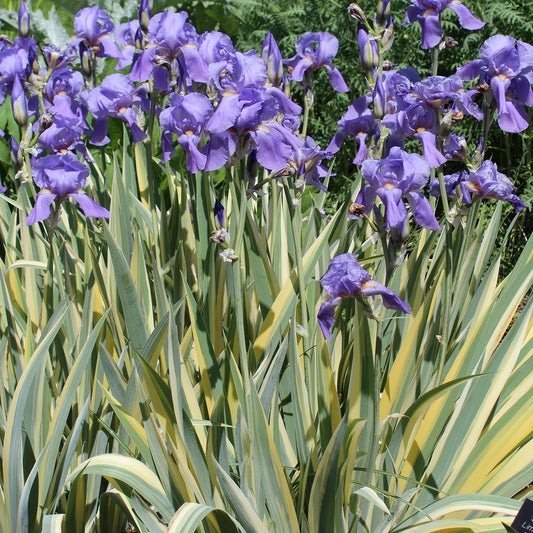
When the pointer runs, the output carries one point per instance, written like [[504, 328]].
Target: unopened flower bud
[[19, 103], [86, 59], [478, 156], [368, 50], [252, 167], [144, 15], [356, 12], [220, 214], [140, 41], [24, 20], [272, 57], [380, 99], [16, 156], [220, 236], [388, 36], [33, 61], [383, 11]]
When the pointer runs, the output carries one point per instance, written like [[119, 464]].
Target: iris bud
[[16, 156], [86, 59], [19, 103], [368, 50], [33, 61], [477, 156], [380, 99], [356, 12], [388, 36], [383, 12], [272, 57], [140, 41], [24, 20], [144, 15]]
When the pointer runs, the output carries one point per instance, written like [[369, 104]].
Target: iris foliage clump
[[196, 338]]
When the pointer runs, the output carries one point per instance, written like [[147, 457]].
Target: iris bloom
[[345, 278], [419, 121], [506, 65], [94, 28], [116, 97], [186, 116], [61, 178], [486, 182], [358, 122], [400, 174], [305, 163], [171, 54], [427, 14], [249, 117], [125, 37], [310, 58]]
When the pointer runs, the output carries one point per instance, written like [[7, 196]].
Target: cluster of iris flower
[[401, 105], [221, 105]]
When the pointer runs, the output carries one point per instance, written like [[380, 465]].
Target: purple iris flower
[[186, 116], [13, 65], [454, 147], [310, 58], [487, 182], [56, 58], [305, 163], [64, 81], [125, 37], [358, 122], [251, 117], [61, 177], [94, 28], [438, 90], [345, 278], [171, 55], [506, 65], [116, 97], [427, 14], [419, 121], [2, 189], [451, 181], [67, 129], [399, 175]]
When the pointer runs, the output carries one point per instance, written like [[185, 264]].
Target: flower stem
[[296, 223]]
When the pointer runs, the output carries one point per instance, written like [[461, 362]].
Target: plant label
[[523, 522]]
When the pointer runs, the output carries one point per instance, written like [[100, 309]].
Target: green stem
[[446, 300], [48, 296], [296, 224], [443, 194], [308, 102], [434, 60], [236, 271]]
